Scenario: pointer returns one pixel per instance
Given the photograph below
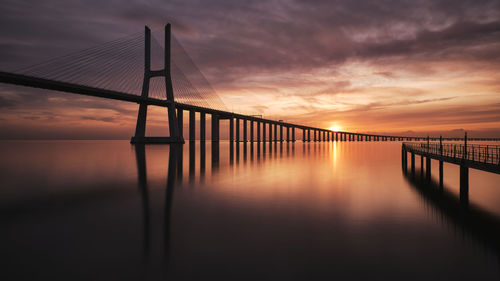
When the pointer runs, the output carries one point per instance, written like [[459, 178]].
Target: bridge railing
[[486, 154]]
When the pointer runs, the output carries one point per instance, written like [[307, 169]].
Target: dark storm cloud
[[259, 34]]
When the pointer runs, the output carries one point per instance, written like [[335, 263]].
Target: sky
[[399, 67]]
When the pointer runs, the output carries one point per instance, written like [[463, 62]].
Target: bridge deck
[[480, 157], [35, 82]]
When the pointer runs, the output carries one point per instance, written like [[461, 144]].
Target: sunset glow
[[335, 128], [430, 70]]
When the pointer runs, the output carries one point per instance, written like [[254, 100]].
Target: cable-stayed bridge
[[137, 68]]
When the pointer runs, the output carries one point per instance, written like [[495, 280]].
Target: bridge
[[475, 156], [65, 74]]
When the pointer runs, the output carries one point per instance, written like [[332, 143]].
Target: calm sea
[[107, 210]]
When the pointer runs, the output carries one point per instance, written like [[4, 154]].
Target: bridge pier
[[202, 126], [263, 132], [192, 125], [231, 130], [281, 133], [293, 134], [237, 132], [251, 131], [287, 134], [215, 128], [244, 130], [308, 135], [180, 122], [258, 131], [275, 132]]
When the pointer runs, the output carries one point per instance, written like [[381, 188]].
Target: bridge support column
[[192, 125], [281, 133], [258, 130], [231, 130], [180, 122], [464, 185], [237, 132], [251, 130], [308, 135], [244, 130], [202, 126], [275, 132], [215, 128], [287, 134], [293, 134], [215, 141], [140, 130], [264, 132]]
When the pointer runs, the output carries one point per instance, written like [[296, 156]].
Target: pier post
[[202, 126], [428, 169], [441, 174], [281, 133], [244, 130], [412, 164], [287, 134], [308, 135], [192, 125], [293, 134], [464, 184], [403, 159], [421, 166]]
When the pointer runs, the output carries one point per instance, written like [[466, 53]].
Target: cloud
[[365, 63]]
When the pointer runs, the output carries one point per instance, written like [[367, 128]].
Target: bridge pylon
[[140, 129]]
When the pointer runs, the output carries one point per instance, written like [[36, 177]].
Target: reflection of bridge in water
[[175, 174], [472, 221]]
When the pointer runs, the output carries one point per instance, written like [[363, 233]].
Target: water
[[106, 210]]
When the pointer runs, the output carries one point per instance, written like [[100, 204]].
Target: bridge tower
[[140, 129]]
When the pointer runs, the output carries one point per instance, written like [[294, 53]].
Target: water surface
[[107, 210]]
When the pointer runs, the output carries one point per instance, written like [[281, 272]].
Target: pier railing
[[484, 154]]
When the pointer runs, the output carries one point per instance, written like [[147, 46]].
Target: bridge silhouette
[[111, 71]]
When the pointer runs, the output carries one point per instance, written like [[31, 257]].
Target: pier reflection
[[472, 221]]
